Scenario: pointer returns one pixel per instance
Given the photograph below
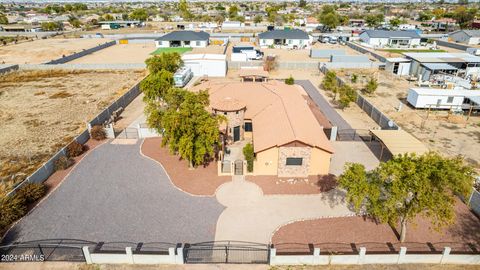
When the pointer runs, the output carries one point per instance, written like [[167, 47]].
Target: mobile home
[[423, 98]]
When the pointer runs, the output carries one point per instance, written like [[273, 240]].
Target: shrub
[[75, 149], [31, 192], [354, 78], [98, 133], [11, 209], [249, 156], [290, 80], [370, 87], [63, 163]]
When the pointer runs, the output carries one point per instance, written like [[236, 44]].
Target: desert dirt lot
[[119, 54], [452, 135], [41, 111], [43, 50]]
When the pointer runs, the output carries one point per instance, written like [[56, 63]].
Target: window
[[290, 41], [197, 43], [225, 113], [248, 127], [449, 99], [294, 161]]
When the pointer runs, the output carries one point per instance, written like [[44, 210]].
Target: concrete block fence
[[7, 68], [47, 169], [74, 56], [360, 49]]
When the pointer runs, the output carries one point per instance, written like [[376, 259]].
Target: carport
[[398, 142], [253, 74]]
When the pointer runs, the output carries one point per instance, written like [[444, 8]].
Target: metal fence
[[452, 45], [474, 202], [380, 118], [226, 252], [77, 55], [365, 51], [353, 135]]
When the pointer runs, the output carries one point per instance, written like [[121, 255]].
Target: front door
[[236, 133]]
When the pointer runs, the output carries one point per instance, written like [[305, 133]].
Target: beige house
[[288, 141]]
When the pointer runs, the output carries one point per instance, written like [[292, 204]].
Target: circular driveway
[[116, 194]]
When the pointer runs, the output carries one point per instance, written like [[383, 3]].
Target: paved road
[[115, 194], [323, 105], [252, 216]]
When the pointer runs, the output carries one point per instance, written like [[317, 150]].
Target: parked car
[[333, 40], [324, 39]]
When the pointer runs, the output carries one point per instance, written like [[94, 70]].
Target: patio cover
[[253, 72], [439, 66], [399, 142]]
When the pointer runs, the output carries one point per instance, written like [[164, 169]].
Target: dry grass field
[[43, 50], [119, 54], [449, 134], [41, 111]]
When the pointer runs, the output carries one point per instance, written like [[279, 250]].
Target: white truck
[[245, 53], [182, 76]]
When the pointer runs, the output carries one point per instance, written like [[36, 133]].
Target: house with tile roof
[[287, 138]]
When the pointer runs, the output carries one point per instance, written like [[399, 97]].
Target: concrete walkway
[[252, 216]]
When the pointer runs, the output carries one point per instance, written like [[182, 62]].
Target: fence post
[[171, 253], [445, 254], [273, 254], [179, 258], [86, 254], [316, 255], [361, 255], [333, 133], [129, 254], [401, 255]]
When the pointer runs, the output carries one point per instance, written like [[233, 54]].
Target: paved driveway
[[252, 216], [116, 194]]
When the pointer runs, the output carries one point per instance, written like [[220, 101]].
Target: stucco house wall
[[193, 44], [266, 162], [319, 162]]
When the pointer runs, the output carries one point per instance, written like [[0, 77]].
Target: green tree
[[374, 20], [156, 85], [3, 19], [347, 95], [407, 186], [464, 16], [249, 154], [108, 17], [330, 83], [425, 16], [189, 129], [329, 17], [395, 22], [371, 86], [139, 14], [75, 22], [184, 10], [167, 61], [51, 26], [258, 19], [233, 11], [302, 3], [290, 80]]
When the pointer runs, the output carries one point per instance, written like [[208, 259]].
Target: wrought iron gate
[[232, 252]]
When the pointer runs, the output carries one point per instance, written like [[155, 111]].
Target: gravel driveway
[[116, 194]]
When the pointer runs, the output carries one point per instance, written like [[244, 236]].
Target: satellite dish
[[390, 123]]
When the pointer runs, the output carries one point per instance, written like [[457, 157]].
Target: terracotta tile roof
[[228, 104], [279, 113]]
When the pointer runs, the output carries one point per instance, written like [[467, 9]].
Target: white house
[[232, 24], [288, 38], [211, 65], [394, 39], [423, 98], [183, 39], [470, 37]]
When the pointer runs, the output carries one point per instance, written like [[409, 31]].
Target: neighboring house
[[470, 37], [394, 39], [21, 28], [232, 24], [288, 38], [107, 25], [183, 39], [424, 65], [288, 140]]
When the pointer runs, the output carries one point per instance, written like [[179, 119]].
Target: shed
[[398, 142], [423, 98], [212, 65]]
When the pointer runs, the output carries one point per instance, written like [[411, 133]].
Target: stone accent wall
[[294, 170], [233, 120]]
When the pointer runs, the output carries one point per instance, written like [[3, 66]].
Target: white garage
[[211, 65]]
